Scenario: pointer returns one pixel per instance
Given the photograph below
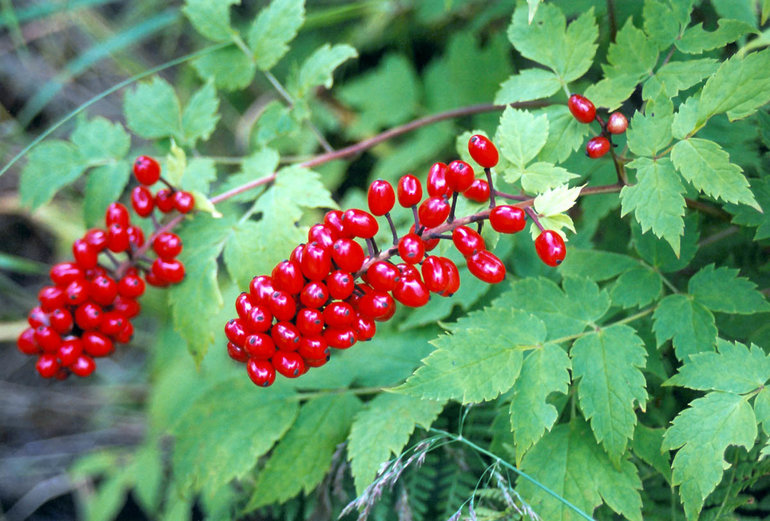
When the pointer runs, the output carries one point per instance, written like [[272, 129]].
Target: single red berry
[[411, 248], [376, 305], [434, 274], [47, 365], [287, 276], [135, 236], [97, 344], [61, 320], [259, 345], [296, 253], [184, 202], [103, 290], [51, 297], [314, 295], [408, 270], [313, 348], [316, 262], [617, 123], [164, 200], [289, 364], [340, 284], [597, 147], [365, 328], [235, 331], [339, 314], [65, 272], [358, 223], [323, 235], [286, 336], [126, 334], [550, 247], [69, 351], [310, 322], [142, 201], [37, 317], [437, 184], [340, 338], [411, 291], [261, 372], [433, 211], [85, 255], [153, 279], [382, 276], [47, 338], [26, 342], [507, 219], [454, 277], [171, 271], [127, 307], [348, 255], [409, 191], [459, 176], [146, 170], [282, 305], [237, 353], [483, 151], [467, 241], [83, 366], [582, 108], [259, 318], [97, 238], [260, 289], [118, 240], [485, 266], [117, 214], [112, 323], [243, 305], [131, 286], [77, 292], [333, 220], [478, 191], [429, 243], [167, 245], [381, 197], [88, 316]]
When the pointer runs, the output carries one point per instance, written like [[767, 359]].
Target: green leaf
[[479, 359], [765, 10], [739, 87], [609, 364], [545, 371], [632, 53], [707, 166], [198, 174], [565, 134], [532, 6], [749, 216], [100, 140], [382, 430], [571, 464], [307, 450], [660, 24], [557, 200], [255, 419], [201, 114], [612, 91], [722, 290], [240, 251], [733, 369], [539, 177], [148, 476], [702, 433], [636, 287], [275, 26], [103, 186], [521, 135], [211, 18], [656, 199], [762, 410], [658, 252], [696, 40], [51, 166], [687, 323], [677, 76], [229, 68], [646, 445], [595, 265], [259, 164], [152, 109], [318, 68], [685, 118], [568, 51], [528, 85], [649, 133]]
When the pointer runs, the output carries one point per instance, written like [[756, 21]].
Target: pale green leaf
[[557, 200], [677, 76], [229, 68], [201, 114], [660, 24], [104, 185], [685, 118], [687, 323], [632, 53], [696, 40], [612, 91], [521, 135], [99, 139], [532, 5], [318, 68], [176, 164], [240, 252], [749, 216], [199, 172], [528, 85], [539, 177], [307, 449], [565, 134], [148, 475], [556, 222], [211, 18], [702, 433], [258, 165], [762, 410], [382, 430], [649, 133], [765, 10], [595, 265], [275, 26], [636, 287], [51, 166], [722, 290], [152, 109], [545, 371]]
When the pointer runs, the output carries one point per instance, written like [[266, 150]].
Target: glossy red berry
[[259, 345], [260, 317], [282, 305], [459, 176], [85, 255], [112, 323], [47, 366], [407, 270], [340, 284], [65, 272], [323, 235], [51, 297], [97, 344], [478, 191], [310, 321], [237, 353], [117, 214], [507, 219], [365, 328], [135, 236], [286, 336], [485, 266], [164, 200], [412, 292], [581, 108], [467, 241], [69, 351], [83, 366], [313, 348], [437, 184], [146, 170], [358, 223], [37, 317], [316, 262], [235, 331], [339, 314], [314, 295], [550, 248], [434, 274], [340, 338], [376, 305], [128, 307], [26, 342], [88, 316], [117, 238], [171, 271], [381, 197], [287, 276], [289, 364], [126, 334], [103, 290], [261, 372], [61, 321], [409, 191], [411, 248], [77, 292], [617, 123], [454, 277], [333, 220], [131, 286], [483, 151], [243, 305], [260, 289], [167, 245], [142, 201], [47, 338], [382, 276], [296, 253], [433, 211], [184, 202], [597, 147], [429, 243], [97, 238], [348, 255]]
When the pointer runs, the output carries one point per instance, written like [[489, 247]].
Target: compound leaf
[[104, 185], [318, 68], [521, 135], [749, 216], [722, 290], [99, 140], [211, 18], [229, 68], [152, 110], [636, 287]]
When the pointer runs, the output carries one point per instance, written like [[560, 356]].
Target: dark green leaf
[[647, 446], [749, 216], [595, 264], [659, 253], [636, 287], [722, 290]]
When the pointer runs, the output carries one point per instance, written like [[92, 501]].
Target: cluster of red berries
[[584, 111], [89, 307], [288, 321], [147, 172]]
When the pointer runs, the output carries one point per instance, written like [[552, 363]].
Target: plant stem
[[533, 215], [392, 228], [506, 195], [488, 173]]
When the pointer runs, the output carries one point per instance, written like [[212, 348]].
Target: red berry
[[136, 236], [410, 291], [77, 292], [289, 364], [287, 276], [286, 336], [296, 253], [348, 255], [382, 276], [597, 147], [478, 191], [142, 201], [437, 184], [429, 243], [128, 307], [333, 220], [97, 344], [261, 372], [51, 297], [146, 170], [339, 314], [65, 272], [103, 290], [243, 305], [340, 284], [167, 245], [314, 295], [88, 316], [507, 219], [316, 262], [483, 151], [70, 350], [409, 191], [235, 331], [434, 274], [381, 197], [164, 200], [459, 176], [47, 365], [408, 270], [467, 241], [117, 238], [131, 286], [170, 271], [433, 211], [37, 317], [259, 319], [259, 345], [376, 305], [313, 348], [26, 342], [125, 334], [97, 238], [365, 328], [550, 248], [411, 248], [184, 202], [153, 279], [282, 305], [454, 277], [83, 366], [582, 108], [61, 320], [47, 338], [117, 214], [485, 266], [260, 289], [310, 321], [85, 255], [237, 353], [340, 338], [112, 323], [323, 235], [358, 223], [617, 123]]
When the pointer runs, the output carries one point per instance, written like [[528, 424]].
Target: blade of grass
[[16, 264], [44, 9]]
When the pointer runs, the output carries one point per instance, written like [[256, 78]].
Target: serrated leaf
[[318, 68], [152, 109], [204, 204], [51, 166], [749, 216], [568, 51], [646, 445], [241, 248], [660, 24], [255, 419], [722, 290], [609, 364], [556, 222], [229, 68], [99, 140], [521, 135], [685, 118], [595, 265], [211, 18], [649, 133], [201, 114], [612, 91], [479, 361], [198, 174], [658, 252], [274, 27], [636, 287], [696, 40], [677, 76], [176, 164], [259, 164], [702, 433], [528, 85], [565, 134], [707, 166], [539, 177], [656, 199], [104, 185], [687, 323], [557, 200], [383, 429], [545, 371], [632, 53], [307, 449], [572, 465], [762, 411], [733, 369]]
